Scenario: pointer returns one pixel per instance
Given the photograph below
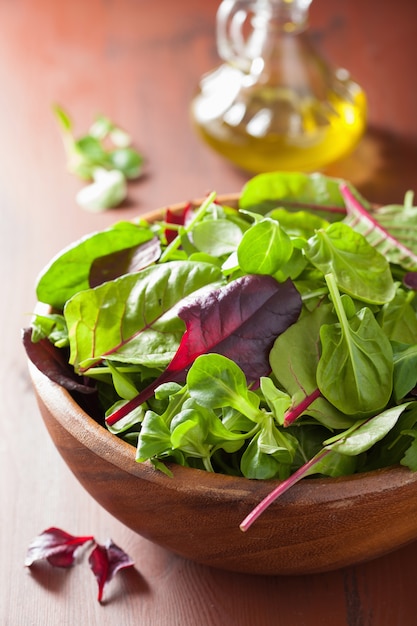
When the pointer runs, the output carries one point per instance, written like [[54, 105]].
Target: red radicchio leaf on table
[[56, 546], [105, 561], [240, 321]]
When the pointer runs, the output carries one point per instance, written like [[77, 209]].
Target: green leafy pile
[[273, 340]]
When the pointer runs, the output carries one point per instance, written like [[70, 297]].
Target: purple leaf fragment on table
[[55, 546], [105, 561]]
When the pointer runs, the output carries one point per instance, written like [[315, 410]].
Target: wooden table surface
[[138, 62]]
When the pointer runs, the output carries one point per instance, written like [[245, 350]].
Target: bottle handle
[[233, 16]]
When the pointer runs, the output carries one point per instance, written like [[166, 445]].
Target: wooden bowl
[[320, 524]]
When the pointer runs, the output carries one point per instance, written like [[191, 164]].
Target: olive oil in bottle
[[275, 104]]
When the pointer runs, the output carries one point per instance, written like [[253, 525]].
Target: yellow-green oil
[[265, 129]]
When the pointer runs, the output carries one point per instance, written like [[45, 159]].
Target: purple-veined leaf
[[389, 229], [56, 546], [124, 261], [294, 412], [240, 321], [105, 561], [134, 318]]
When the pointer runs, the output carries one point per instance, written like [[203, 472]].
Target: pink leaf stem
[[280, 489], [292, 414]]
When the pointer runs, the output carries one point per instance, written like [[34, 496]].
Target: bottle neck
[[288, 16]]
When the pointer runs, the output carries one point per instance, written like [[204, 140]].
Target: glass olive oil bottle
[[275, 104]]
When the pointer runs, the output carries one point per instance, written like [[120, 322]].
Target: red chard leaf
[[240, 321], [56, 546], [125, 261], [376, 226], [178, 218], [105, 561]]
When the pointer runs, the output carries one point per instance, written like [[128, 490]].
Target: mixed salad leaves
[[275, 340]]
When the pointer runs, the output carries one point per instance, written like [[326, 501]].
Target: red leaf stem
[[280, 489], [292, 414], [359, 214]]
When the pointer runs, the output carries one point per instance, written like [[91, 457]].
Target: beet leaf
[[240, 321], [392, 229], [105, 561], [56, 546]]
